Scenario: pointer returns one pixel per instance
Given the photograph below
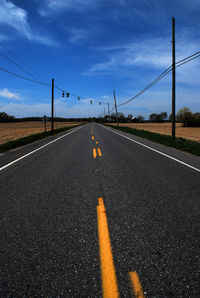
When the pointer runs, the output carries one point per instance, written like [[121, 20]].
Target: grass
[[32, 138], [179, 143]]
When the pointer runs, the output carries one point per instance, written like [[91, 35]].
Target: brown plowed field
[[12, 131], [191, 133]]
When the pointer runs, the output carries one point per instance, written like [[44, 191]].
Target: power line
[[80, 97], [188, 60], [188, 57], [20, 60], [162, 75], [22, 77], [20, 67], [33, 81]]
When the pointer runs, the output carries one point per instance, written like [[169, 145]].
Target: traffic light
[[91, 102], [63, 94], [67, 94]]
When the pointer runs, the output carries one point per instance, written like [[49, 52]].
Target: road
[[96, 213]]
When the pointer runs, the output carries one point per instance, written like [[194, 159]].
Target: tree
[[4, 117], [140, 118], [188, 119], [121, 117], [158, 117], [183, 113], [152, 117], [163, 116]]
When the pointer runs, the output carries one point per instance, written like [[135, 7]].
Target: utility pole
[[115, 107], [108, 112], [104, 114], [173, 81], [52, 107]]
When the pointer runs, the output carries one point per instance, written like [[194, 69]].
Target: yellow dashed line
[[99, 151], [94, 153], [108, 275], [92, 137], [97, 143], [136, 285]]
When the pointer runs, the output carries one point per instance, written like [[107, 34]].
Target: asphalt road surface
[[99, 213]]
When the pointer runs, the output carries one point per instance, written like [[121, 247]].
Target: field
[[190, 133], [12, 131]]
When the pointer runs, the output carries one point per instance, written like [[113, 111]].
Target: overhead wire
[[22, 77], [16, 64], [36, 82], [188, 57], [187, 60], [162, 75], [34, 74]]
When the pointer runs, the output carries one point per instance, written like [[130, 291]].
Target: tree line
[[184, 115]]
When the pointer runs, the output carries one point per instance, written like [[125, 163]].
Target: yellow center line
[[92, 137], [97, 143], [136, 285], [108, 275], [94, 153], [99, 151]]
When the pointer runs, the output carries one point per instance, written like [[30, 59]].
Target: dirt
[[190, 133], [13, 131]]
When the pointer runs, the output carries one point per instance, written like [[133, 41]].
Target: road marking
[[108, 275], [99, 151], [166, 155], [94, 153], [22, 157], [92, 137], [97, 143], [136, 285]]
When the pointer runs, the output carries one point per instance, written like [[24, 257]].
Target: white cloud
[[52, 6], [149, 54], [16, 17], [78, 35], [7, 94]]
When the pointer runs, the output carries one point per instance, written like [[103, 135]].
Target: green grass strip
[[32, 138], [179, 143]]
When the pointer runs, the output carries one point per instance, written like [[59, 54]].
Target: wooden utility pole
[[173, 81], [108, 112], [52, 107], [108, 108], [45, 122], [116, 108]]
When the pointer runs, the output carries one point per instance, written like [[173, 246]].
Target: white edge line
[[177, 160], [22, 157]]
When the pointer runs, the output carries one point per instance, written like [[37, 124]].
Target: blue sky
[[91, 47]]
